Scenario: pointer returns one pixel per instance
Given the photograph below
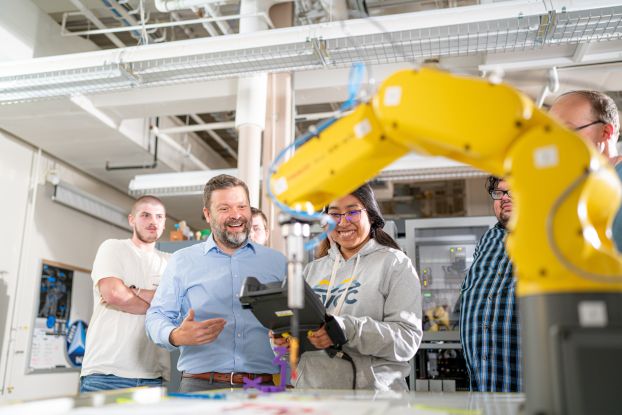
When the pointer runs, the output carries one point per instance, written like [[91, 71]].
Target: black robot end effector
[[334, 331]]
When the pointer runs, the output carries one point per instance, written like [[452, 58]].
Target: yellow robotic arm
[[565, 195]]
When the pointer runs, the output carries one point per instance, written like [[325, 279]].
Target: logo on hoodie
[[337, 291]]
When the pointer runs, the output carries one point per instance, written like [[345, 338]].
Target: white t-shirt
[[116, 341]]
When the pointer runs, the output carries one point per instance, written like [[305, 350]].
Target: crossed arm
[[123, 298]]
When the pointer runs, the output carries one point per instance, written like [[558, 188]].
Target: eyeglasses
[[498, 194], [351, 216], [579, 128]]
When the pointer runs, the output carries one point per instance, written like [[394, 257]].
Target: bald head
[[147, 199], [593, 115]]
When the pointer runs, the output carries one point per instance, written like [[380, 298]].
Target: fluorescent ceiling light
[[89, 204], [174, 184]]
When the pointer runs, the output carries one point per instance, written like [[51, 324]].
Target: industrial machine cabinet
[[442, 251]]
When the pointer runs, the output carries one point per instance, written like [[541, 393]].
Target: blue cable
[[354, 83]]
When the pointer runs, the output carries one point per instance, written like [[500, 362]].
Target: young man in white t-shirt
[[125, 275]]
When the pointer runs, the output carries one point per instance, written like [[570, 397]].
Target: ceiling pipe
[[185, 29], [206, 25], [120, 13], [89, 15], [222, 25]]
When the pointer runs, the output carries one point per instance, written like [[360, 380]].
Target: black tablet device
[[268, 302]]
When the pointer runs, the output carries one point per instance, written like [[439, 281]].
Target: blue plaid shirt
[[489, 327]]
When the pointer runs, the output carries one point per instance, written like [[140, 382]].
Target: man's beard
[[504, 217], [232, 240], [145, 238]]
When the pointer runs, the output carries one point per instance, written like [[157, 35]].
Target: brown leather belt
[[235, 378]]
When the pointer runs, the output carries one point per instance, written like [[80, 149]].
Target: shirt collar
[[210, 244], [500, 226]]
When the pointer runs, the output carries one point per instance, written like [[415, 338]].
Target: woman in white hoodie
[[371, 291]]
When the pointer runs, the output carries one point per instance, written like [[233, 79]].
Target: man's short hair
[[492, 182], [604, 108], [147, 199], [258, 212], [222, 181]]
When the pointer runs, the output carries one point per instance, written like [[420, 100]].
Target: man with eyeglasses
[[489, 327], [594, 116], [259, 227]]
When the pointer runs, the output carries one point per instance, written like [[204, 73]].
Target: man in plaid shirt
[[489, 327]]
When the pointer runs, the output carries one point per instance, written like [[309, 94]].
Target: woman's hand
[[320, 339]]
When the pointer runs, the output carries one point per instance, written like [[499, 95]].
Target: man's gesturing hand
[[192, 333]]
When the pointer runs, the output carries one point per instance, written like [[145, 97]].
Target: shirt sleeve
[[398, 336], [107, 262], [163, 315]]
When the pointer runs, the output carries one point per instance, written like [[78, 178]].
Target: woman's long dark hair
[[366, 196]]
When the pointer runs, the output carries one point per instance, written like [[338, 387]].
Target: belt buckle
[[231, 379]]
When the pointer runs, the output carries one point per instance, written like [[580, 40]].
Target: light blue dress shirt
[[208, 280]]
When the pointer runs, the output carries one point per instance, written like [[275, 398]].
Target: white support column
[[251, 107], [279, 132]]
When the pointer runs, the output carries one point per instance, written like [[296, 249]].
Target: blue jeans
[[93, 383]]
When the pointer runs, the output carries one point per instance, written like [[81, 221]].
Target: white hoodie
[[381, 318]]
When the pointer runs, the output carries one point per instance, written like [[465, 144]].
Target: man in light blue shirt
[[196, 306]]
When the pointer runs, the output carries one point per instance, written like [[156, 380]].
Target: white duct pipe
[[171, 5], [250, 116]]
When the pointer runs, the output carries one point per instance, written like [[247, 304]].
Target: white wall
[[37, 228]]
